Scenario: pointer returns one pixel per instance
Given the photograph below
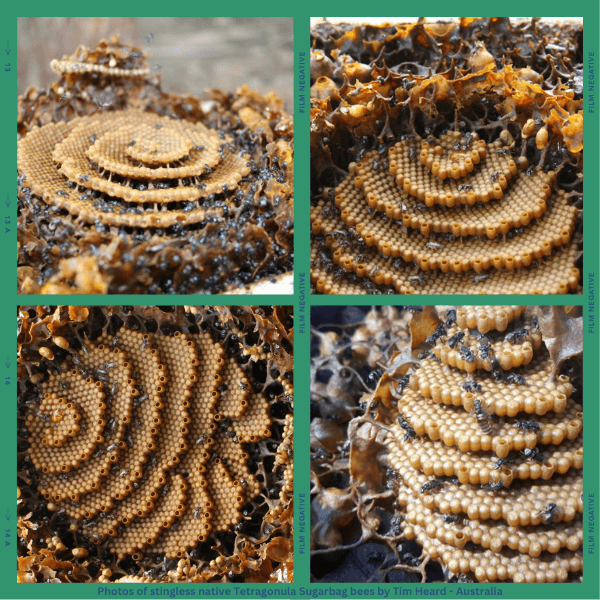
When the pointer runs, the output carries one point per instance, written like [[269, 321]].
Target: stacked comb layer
[[446, 216], [489, 450], [146, 170]]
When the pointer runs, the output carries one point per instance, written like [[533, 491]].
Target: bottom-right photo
[[446, 444]]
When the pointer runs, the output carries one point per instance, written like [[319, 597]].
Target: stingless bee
[[483, 419]]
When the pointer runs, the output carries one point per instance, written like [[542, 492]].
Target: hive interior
[[446, 158], [126, 189], [155, 443], [469, 460]]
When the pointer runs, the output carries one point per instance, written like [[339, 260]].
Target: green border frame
[[302, 301]]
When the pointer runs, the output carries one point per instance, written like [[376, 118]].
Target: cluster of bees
[[486, 421]]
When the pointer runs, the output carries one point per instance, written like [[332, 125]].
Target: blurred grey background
[[193, 53]]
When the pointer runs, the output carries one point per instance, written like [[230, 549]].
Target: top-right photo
[[446, 155]]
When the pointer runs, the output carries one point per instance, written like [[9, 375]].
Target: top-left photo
[[155, 155]]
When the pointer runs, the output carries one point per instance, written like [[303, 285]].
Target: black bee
[[242, 386], [493, 487], [535, 323], [497, 373], [494, 176], [530, 171], [402, 384], [410, 432], [436, 335], [132, 143], [425, 355], [503, 152], [326, 212], [450, 318], [466, 354], [552, 513], [201, 439], [434, 484], [418, 279], [484, 347], [516, 336], [495, 367], [451, 518], [343, 453], [471, 386], [533, 454], [457, 338], [145, 343], [465, 186], [501, 462], [515, 379], [113, 390], [43, 416], [482, 417], [433, 246], [112, 447], [479, 278], [196, 512], [527, 425]]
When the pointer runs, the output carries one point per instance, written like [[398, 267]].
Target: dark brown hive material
[[448, 149], [126, 189], [153, 436]]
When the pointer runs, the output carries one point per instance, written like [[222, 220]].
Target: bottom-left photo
[[155, 444]]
